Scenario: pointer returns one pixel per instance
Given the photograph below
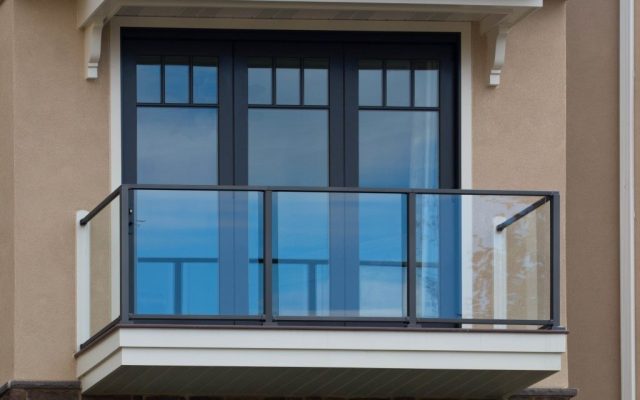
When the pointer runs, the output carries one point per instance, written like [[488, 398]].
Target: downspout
[[627, 212]]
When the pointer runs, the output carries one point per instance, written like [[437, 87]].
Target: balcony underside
[[327, 363]]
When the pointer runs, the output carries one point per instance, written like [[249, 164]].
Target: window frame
[[343, 140]]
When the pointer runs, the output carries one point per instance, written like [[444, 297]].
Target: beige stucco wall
[[519, 127], [62, 148], [61, 161], [592, 198], [6, 190]]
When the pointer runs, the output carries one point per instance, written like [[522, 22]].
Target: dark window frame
[[231, 46]]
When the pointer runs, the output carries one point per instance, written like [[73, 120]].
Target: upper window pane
[[148, 80], [398, 83], [260, 77], [370, 82], [288, 147], [398, 149], [426, 89], [316, 82], [176, 80], [177, 145], [288, 81], [205, 80]]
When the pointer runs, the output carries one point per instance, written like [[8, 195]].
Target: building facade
[[426, 199]]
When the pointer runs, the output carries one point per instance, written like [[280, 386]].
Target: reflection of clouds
[[288, 147], [398, 149], [177, 145]]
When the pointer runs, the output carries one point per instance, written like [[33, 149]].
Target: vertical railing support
[[83, 279], [126, 235], [268, 267], [555, 260], [412, 275], [499, 272]]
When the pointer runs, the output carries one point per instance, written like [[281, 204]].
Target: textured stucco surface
[[519, 127], [592, 198], [61, 163], [61, 132], [6, 190]]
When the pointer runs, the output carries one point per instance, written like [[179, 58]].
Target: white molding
[[627, 198], [420, 350], [497, 40], [83, 279], [92, 49]]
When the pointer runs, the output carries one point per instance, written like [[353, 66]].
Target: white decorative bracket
[[497, 39], [92, 48]]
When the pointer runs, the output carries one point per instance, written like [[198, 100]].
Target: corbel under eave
[[497, 39], [92, 48]]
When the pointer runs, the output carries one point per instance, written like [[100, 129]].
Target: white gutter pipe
[[627, 211]]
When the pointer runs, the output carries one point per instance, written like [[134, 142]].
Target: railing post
[[499, 272], [268, 272], [412, 284], [83, 279], [555, 260], [126, 232]]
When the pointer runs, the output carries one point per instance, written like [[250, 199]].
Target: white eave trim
[[501, 16]]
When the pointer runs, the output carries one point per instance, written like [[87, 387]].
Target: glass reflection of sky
[[398, 149], [288, 147], [177, 145], [176, 229], [310, 245]]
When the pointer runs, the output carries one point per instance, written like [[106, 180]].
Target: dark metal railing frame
[[411, 320]]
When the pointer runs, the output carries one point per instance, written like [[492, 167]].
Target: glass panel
[[398, 149], [189, 259], [370, 82], [260, 85], [205, 80], [288, 147], [177, 145], [288, 81], [339, 254], [148, 80], [398, 83], [469, 267], [426, 90], [104, 267], [176, 80], [316, 82]]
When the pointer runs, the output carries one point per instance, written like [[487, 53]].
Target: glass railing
[[333, 256]]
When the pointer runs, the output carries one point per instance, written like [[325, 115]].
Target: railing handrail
[[339, 189], [101, 206], [521, 214]]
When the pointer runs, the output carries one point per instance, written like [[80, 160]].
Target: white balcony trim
[[339, 349]]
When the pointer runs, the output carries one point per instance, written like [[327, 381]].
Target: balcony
[[335, 292]]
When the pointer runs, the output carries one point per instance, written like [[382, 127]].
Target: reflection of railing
[[453, 229], [311, 264], [521, 214]]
